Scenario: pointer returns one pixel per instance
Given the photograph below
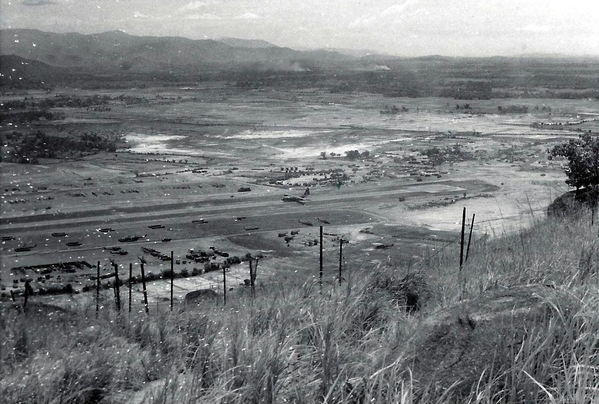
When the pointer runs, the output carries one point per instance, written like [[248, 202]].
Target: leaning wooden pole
[[251, 263], [143, 285], [172, 281], [470, 237], [253, 278], [320, 274], [462, 242]]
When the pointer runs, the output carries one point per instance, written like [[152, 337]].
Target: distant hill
[[358, 53], [246, 43], [116, 50], [15, 68]]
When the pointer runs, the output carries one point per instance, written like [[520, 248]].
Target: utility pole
[[341, 241], [98, 289], [462, 242], [321, 271], [130, 283], [172, 280], [224, 286], [143, 285], [117, 288]]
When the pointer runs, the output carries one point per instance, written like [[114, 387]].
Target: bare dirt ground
[[192, 151]]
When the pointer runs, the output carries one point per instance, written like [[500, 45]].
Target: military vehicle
[[119, 252], [129, 239], [25, 247], [298, 199]]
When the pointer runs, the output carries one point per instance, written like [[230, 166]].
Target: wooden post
[[143, 285], [27, 287], [253, 269], [251, 263], [130, 283], [462, 242], [340, 259], [470, 237], [172, 281], [98, 290], [224, 286], [117, 288], [321, 271]]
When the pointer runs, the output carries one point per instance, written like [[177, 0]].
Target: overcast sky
[[399, 27]]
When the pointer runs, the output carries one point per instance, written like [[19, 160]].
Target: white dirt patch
[[315, 150], [142, 143], [434, 188], [277, 134], [522, 198]]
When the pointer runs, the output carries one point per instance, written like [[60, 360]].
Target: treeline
[[29, 116], [413, 85], [438, 155], [69, 101], [28, 148]]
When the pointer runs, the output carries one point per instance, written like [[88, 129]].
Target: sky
[[397, 27]]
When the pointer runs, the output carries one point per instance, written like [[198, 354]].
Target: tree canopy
[[583, 161]]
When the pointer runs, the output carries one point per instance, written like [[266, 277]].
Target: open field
[[190, 152]]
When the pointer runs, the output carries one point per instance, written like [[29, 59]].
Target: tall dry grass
[[294, 343]]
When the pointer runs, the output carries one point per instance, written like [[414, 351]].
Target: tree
[[583, 161], [352, 154]]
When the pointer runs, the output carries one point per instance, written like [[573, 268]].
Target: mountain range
[[118, 51]]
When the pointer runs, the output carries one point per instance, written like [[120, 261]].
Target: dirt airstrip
[[204, 168]]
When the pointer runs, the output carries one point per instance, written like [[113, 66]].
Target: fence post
[[320, 272], [470, 237], [98, 290], [172, 280], [143, 285]]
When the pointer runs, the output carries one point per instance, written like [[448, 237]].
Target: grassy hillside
[[296, 344]]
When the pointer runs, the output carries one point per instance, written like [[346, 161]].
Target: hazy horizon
[[397, 27]]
